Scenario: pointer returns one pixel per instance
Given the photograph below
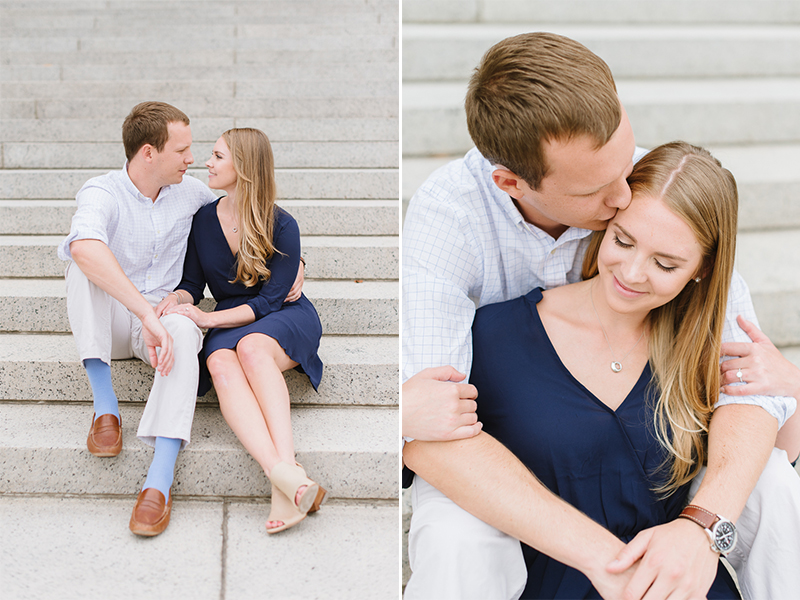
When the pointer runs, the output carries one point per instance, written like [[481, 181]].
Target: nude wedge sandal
[[288, 479], [283, 510]]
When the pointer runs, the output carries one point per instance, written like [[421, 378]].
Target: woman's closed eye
[[664, 268], [620, 243]]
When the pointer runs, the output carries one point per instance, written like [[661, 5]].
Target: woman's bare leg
[[263, 362], [240, 408]]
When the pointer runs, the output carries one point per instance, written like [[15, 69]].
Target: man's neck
[[143, 183], [536, 219]]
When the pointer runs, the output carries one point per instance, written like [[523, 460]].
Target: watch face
[[725, 536]]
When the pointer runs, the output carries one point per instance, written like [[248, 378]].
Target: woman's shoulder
[[207, 211], [508, 311]]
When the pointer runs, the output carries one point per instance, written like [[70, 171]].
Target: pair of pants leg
[[103, 328], [767, 556], [455, 555]]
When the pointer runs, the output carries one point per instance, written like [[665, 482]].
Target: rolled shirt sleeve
[[740, 303], [95, 218]]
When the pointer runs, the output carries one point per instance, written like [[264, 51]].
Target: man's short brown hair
[[537, 87], [148, 123]]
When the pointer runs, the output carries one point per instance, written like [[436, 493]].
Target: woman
[[247, 250], [605, 388]]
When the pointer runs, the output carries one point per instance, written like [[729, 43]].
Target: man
[[127, 243], [554, 149]]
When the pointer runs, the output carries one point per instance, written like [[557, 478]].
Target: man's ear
[[507, 181], [146, 152]]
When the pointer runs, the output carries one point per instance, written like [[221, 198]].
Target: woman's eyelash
[[620, 243], [663, 268]]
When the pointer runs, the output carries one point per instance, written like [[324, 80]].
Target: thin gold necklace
[[616, 365]]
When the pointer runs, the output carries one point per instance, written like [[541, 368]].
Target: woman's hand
[[202, 319], [167, 302], [764, 369]]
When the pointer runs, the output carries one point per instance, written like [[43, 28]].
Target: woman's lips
[[626, 291]]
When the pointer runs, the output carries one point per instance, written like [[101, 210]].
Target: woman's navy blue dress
[[603, 462], [209, 261]]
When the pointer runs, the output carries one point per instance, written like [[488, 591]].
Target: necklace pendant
[[616, 366]]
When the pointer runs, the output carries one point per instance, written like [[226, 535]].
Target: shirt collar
[[572, 233]]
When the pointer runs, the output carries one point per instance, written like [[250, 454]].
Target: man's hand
[[297, 286], [438, 409], [156, 336], [763, 367], [675, 561]]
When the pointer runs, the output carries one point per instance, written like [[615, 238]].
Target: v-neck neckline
[[552, 349], [222, 231]]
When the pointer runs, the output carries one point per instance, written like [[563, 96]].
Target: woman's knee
[[257, 351], [221, 362]]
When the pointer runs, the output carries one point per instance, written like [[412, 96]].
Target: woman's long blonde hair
[[686, 333], [251, 154]]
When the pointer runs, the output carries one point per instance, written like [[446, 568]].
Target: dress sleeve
[[442, 271], [740, 303], [194, 279], [283, 268]]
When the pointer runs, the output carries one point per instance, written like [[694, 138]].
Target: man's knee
[[778, 481], [183, 330]]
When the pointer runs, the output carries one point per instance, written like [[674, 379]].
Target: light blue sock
[[105, 400], [162, 469]]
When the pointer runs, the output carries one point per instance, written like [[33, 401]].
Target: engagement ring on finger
[[739, 375]]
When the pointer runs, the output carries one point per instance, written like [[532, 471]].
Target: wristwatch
[[721, 531]]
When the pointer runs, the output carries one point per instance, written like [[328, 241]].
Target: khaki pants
[[103, 328]]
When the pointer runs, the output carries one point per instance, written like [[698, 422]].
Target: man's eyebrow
[[628, 235]]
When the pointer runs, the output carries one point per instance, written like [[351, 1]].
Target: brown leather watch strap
[[699, 515]]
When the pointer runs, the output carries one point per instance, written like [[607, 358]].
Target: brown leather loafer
[[105, 436], [150, 513]]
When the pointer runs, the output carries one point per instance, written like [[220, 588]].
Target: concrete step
[[117, 107], [70, 56], [192, 11], [327, 257], [19, 184], [674, 51], [187, 35], [605, 11], [345, 308], [315, 67], [213, 548], [315, 217], [359, 371], [767, 176], [769, 263], [352, 452], [212, 90], [109, 155], [302, 129], [707, 112]]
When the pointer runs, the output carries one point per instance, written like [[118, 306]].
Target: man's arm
[[440, 268], [100, 266], [765, 371], [487, 480]]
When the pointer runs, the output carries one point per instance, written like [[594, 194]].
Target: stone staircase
[[320, 78], [722, 74]]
